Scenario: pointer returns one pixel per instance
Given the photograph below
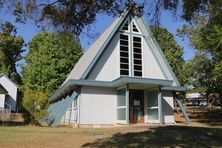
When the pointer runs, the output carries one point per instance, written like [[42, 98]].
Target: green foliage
[[10, 51], [172, 51], [205, 34], [36, 103], [202, 71], [69, 15], [50, 59]]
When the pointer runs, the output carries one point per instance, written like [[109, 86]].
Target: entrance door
[[136, 108]]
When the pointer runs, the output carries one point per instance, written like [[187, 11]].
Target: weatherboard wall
[[107, 68], [98, 106], [2, 100], [168, 107], [150, 64], [12, 92]]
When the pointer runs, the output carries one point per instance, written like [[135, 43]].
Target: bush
[[35, 104]]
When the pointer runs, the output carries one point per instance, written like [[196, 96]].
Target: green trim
[[105, 44], [131, 66], [127, 105], [152, 50], [123, 80], [179, 103], [175, 88], [160, 105], [161, 53], [64, 107]]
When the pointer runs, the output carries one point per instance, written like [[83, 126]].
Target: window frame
[[133, 70]]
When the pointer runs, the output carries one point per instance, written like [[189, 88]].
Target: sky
[[29, 30], [166, 20]]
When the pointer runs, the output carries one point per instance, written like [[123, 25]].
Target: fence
[[4, 114]]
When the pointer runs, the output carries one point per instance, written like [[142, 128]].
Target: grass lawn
[[135, 136]]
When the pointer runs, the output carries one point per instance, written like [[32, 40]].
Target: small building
[[123, 78], [8, 93], [195, 99]]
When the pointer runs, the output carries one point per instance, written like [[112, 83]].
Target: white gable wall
[[11, 98], [2, 100], [151, 68], [157, 51], [98, 105], [107, 68]]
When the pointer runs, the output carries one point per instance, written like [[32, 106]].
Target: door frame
[[131, 113], [156, 107]]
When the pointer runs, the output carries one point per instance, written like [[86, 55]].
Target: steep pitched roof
[[93, 52], [3, 75], [89, 59]]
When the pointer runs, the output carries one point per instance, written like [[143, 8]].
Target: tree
[[68, 15], [10, 51], [205, 33], [50, 59], [35, 102], [202, 72], [172, 51], [74, 15]]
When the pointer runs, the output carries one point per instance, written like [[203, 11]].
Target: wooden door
[[136, 108]]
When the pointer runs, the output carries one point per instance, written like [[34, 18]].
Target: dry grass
[[139, 136], [205, 131], [30, 136]]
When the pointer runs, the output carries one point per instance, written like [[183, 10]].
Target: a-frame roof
[[93, 53], [3, 75], [89, 59]]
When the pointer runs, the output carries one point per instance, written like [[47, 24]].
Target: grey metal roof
[[89, 59], [3, 75], [91, 53]]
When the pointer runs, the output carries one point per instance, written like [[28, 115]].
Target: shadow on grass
[[12, 123], [173, 136], [212, 118]]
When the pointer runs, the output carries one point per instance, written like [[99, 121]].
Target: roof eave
[[73, 84], [175, 88]]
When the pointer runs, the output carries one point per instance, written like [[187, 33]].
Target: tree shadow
[[12, 123], [167, 136], [205, 116]]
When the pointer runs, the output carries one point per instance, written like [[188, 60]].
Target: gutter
[[73, 84]]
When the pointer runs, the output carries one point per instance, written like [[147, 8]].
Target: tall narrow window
[[137, 56], [124, 55]]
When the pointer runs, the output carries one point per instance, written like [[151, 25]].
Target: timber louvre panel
[[64, 108], [137, 56], [58, 109], [124, 54]]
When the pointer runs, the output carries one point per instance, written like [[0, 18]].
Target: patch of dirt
[[201, 115]]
